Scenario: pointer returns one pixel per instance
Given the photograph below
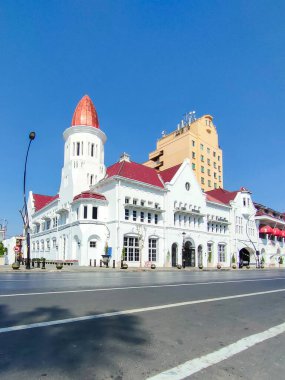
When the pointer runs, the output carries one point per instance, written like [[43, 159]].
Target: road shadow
[[94, 349]]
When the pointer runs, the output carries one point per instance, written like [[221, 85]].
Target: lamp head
[[32, 135]]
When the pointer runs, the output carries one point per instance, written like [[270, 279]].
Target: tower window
[[94, 212], [92, 150], [85, 212], [91, 179], [78, 149]]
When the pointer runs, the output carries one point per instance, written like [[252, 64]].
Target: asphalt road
[[126, 325]]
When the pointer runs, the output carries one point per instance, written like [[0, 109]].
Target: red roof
[[224, 196], [85, 113], [135, 172], [40, 201], [169, 173], [210, 198], [88, 195]]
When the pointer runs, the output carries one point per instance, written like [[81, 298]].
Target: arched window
[[152, 249], [131, 248], [210, 251], [222, 253], [92, 244]]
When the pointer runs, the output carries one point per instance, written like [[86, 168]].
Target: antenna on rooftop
[[189, 117]]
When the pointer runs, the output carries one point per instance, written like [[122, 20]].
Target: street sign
[[17, 249]]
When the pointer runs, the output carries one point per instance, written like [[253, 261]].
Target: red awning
[[282, 233], [276, 232], [265, 230]]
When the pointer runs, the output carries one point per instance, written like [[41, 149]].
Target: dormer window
[[135, 201], [127, 200]]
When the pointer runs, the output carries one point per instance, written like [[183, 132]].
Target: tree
[[3, 250], [141, 232]]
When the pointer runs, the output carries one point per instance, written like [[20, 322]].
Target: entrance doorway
[[189, 254], [244, 257], [174, 255]]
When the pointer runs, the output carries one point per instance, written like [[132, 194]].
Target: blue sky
[[144, 64]]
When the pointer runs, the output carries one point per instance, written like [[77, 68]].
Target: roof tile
[[135, 172], [41, 201]]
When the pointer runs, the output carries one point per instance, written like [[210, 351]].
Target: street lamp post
[[32, 136]]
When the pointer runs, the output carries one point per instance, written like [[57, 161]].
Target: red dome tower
[[85, 113]]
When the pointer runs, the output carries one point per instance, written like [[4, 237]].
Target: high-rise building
[[196, 139]]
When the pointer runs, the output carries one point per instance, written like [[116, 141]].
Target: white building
[[134, 212]]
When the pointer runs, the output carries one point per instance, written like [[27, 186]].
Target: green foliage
[[233, 259], [281, 260], [262, 260], [3, 250], [123, 254], [210, 257]]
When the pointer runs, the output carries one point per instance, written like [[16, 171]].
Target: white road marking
[[131, 311], [138, 287], [196, 365]]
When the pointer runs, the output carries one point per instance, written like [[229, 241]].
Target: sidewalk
[[88, 269], [82, 269]]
